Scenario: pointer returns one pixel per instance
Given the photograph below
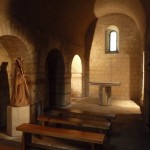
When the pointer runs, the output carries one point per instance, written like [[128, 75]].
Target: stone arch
[[11, 47], [76, 77], [105, 7], [14, 46], [109, 7], [55, 69]]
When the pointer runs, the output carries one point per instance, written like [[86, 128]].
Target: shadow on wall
[[4, 94]]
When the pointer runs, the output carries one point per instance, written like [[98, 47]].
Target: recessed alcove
[[125, 66], [11, 47]]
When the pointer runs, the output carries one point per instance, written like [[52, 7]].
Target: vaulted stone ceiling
[[69, 19], [131, 8], [63, 18]]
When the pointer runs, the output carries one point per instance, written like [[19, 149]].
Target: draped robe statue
[[20, 92]]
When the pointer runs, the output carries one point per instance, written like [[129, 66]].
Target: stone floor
[[117, 106], [128, 129]]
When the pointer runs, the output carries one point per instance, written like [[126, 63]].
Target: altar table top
[[105, 83]]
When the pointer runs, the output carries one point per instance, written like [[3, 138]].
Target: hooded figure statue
[[20, 92]]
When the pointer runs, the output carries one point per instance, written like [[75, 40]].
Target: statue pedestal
[[15, 117]]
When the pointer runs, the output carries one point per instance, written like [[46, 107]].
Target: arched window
[[112, 39], [76, 77]]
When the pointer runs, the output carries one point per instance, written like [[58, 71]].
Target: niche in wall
[[11, 47]]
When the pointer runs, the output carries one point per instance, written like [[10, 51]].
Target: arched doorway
[[76, 77], [55, 76]]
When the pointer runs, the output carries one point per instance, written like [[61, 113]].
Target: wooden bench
[[34, 146], [95, 139], [3, 147], [102, 126], [82, 114]]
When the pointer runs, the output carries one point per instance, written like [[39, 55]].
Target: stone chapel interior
[[65, 44]]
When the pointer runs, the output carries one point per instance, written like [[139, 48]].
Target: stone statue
[[20, 93]]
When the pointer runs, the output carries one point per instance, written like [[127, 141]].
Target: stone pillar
[[105, 95], [15, 117]]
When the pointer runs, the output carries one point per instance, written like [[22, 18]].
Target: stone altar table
[[105, 91]]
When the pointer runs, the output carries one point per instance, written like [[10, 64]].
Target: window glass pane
[[113, 41]]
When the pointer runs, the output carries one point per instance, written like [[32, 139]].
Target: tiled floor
[[128, 130]]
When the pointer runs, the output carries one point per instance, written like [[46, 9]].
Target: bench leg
[[97, 147], [26, 139]]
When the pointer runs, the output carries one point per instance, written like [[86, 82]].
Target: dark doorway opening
[[55, 77]]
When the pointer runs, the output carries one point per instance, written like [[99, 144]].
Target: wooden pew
[[34, 146], [95, 139], [82, 114], [102, 126], [3, 147]]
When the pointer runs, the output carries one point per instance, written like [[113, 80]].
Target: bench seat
[[96, 139], [34, 146], [82, 114], [4, 147], [102, 126]]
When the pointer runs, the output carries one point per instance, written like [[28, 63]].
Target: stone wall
[[64, 25]]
